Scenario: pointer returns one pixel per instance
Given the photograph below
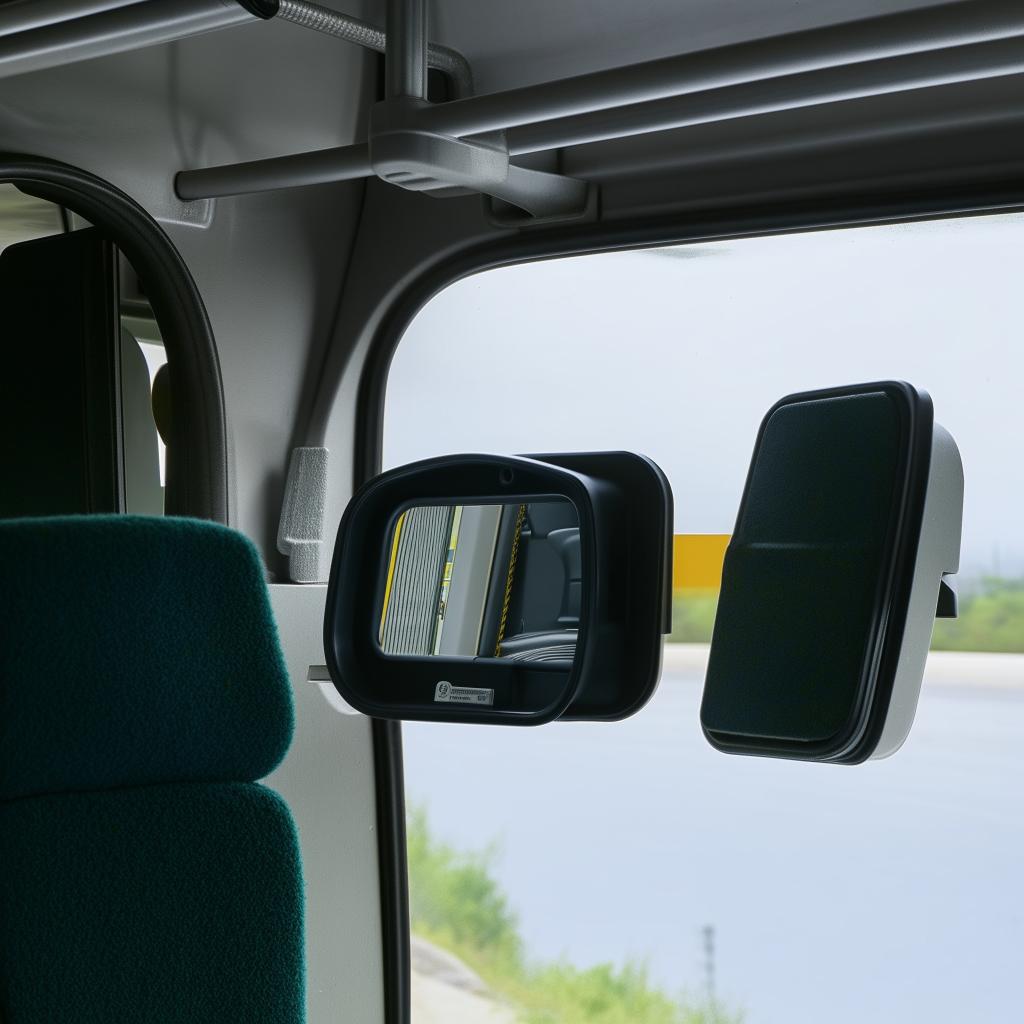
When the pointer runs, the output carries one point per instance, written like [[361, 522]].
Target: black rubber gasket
[[389, 775]]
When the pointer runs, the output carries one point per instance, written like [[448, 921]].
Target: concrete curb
[[945, 668]]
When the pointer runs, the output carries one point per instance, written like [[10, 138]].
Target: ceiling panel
[[529, 41]]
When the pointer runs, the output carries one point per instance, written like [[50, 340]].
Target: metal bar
[[325, 165], [957, 43], [854, 81], [343, 26], [405, 65], [25, 15], [920, 31], [115, 31]]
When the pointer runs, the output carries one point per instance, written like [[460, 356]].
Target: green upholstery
[[144, 875], [158, 903], [136, 650]]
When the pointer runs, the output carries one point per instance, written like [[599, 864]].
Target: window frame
[[199, 482], [727, 223]]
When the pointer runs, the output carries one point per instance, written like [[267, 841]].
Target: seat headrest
[[135, 650]]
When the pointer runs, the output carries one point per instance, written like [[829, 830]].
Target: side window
[[24, 217], [81, 351], [611, 872], [142, 346]]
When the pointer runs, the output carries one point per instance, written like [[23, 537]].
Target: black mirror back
[[817, 578]]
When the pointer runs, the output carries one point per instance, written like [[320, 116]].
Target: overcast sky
[[678, 353]]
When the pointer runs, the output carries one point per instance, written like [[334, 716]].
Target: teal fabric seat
[[145, 875]]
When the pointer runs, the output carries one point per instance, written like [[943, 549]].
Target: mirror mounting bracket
[[439, 165]]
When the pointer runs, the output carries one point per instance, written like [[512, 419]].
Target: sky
[[679, 352]]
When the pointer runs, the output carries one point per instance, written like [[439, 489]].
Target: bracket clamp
[[426, 161]]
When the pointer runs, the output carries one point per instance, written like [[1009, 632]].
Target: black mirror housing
[[620, 588], [848, 523]]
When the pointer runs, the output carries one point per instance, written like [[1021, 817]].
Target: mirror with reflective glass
[[484, 581], [505, 589]]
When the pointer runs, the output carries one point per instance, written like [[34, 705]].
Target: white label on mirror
[[445, 693]]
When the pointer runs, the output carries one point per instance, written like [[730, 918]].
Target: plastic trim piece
[[300, 531], [197, 458], [938, 556]]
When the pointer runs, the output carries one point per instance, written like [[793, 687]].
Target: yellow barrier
[[697, 560]]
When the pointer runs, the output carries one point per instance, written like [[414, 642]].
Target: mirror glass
[[484, 581]]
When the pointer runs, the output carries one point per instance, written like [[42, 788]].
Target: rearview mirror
[[849, 523], [503, 589]]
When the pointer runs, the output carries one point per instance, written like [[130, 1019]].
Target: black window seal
[[393, 867], [197, 456], [895, 206]]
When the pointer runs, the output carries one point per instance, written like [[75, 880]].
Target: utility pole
[[709, 962]]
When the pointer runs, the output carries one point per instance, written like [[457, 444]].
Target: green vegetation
[[991, 618], [693, 616], [456, 903]]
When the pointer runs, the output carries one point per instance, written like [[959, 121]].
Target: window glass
[[24, 217], [151, 347], [613, 872]]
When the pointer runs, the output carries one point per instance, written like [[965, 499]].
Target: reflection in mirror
[[491, 581]]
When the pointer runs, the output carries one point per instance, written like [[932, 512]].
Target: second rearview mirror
[[848, 525]]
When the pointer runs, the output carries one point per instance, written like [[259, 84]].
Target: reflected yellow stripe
[[697, 560], [391, 573]]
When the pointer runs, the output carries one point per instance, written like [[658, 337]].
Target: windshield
[[605, 872]]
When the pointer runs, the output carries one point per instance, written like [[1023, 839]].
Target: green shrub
[[991, 619], [563, 994], [454, 900], [693, 616], [456, 903]]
